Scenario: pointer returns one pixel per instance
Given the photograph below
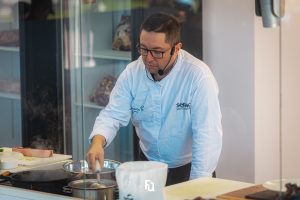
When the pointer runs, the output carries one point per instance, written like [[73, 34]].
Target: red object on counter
[[40, 153]]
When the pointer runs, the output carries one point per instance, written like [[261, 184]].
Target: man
[[172, 100]]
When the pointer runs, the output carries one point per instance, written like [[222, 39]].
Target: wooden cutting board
[[240, 194], [204, 187]]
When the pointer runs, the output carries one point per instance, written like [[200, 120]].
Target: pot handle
[[5, 176], [67, 189]]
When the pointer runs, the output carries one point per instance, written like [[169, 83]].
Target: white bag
[[142, 180]]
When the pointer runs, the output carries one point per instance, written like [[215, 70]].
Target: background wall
[[245, 58], [228, 41], [267, 101], [290, 55]]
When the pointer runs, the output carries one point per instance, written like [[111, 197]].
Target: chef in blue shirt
[[171, 98]]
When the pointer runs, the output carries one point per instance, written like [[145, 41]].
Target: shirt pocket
[[142, 109], [143, 116]]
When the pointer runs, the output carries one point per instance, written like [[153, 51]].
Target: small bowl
[[8, 163], [11, 154]]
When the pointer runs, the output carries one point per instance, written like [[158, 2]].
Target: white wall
[[228, 42], [267, 102], [245, 58], [291, 89]]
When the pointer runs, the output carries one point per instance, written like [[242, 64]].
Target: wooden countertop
[[204, 187], [242, 193]]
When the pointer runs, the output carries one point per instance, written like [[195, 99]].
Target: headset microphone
[[161, 71]]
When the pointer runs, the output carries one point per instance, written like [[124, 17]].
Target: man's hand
[[96, 152]]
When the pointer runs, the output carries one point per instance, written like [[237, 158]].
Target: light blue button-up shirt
[[177, 119]]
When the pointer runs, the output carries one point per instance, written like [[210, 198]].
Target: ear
[[172, 51], [178, 47]]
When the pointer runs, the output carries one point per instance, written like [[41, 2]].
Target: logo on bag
[[149, 186]]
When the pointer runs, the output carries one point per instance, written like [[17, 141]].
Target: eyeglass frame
[[139, 48]]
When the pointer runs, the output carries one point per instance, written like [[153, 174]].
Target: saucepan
[[90, 189], [81, 168]]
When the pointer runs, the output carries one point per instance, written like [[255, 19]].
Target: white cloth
[[177, 119]]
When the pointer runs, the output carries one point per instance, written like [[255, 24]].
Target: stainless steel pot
[[81, 168], [90, 189]]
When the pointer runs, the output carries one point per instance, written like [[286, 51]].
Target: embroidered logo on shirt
[[136, 110], [183, 106]]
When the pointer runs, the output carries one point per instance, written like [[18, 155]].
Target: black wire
[[148, 76]]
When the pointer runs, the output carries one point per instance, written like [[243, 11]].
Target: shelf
[[13, 49], [111, 54], [90, 105], [10, 95]]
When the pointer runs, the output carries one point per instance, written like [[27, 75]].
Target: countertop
[[204, 187], [12, 193]]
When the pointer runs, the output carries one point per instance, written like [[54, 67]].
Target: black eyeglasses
[[154, 53]]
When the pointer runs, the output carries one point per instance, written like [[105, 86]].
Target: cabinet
[[30, 68], [68, 52], [94, 62]]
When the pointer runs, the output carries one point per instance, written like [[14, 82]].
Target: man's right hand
[[96, 152]]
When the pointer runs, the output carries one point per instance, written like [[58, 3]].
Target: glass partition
[[10, 103], [289, 80], [98, 58]]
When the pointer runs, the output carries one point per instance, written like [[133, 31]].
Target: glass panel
[[10, 89], [31, 91], [42, 77], [290, 94], [101, 58]]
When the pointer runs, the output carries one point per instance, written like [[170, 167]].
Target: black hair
[[163, 23]]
